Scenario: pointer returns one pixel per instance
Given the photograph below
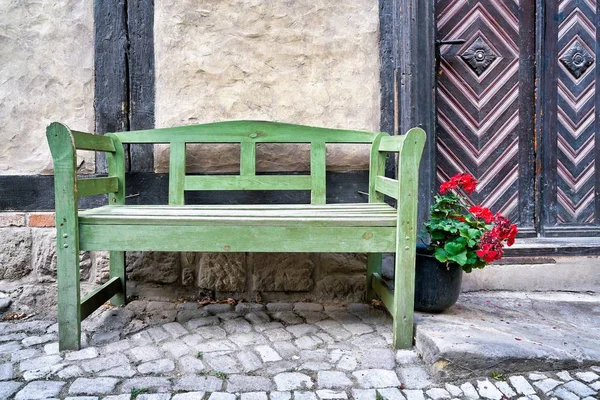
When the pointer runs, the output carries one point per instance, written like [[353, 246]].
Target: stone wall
[[47, 74], [304, 62]]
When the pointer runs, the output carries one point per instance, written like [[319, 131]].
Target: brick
[[41, 220], [11, 219]]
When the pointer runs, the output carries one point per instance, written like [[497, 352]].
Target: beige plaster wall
[[307, 62], [46, 74]]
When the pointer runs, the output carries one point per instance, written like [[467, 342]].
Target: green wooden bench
[[374, 227]]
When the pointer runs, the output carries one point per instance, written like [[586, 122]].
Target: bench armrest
[[64, 144]]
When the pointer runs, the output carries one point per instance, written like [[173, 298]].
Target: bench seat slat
[[239, 211], [336, 206], [238, 238], [322, 216]]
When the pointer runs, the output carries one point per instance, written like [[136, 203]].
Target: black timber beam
[[415, 85]]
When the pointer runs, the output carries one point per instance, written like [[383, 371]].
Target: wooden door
[[485, 102], [569, 118]]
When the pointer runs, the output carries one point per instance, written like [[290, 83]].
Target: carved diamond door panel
[[485, 101], [570, 180]]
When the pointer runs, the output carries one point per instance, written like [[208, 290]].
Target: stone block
[[101, 267], [223, 272], [15, 253], [342, 287], [12, 219], [332, 263], [44, 256], [290, 272], [154, 267]]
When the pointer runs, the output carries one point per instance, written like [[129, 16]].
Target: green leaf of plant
[[440, 254], [453, 248], [460, 258]]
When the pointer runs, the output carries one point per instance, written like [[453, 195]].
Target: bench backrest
[[247, 134]]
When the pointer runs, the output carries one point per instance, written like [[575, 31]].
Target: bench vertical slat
[[317, 172], [376, 168], [176, 173], [116, 168], [247, 158], [62, 148], [406, 237]]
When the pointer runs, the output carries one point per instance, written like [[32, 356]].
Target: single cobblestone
[[124, 371], [412, 394], [364, 394], [438, 394], [469, 390], [293, 381], [39, 363], [521, 385], [253, 396], [333, 380], [87, 353], [94, 386], [305, 396], [564, 394], [6, 371], [40, 390], [378, 358], [564, 375], [188, 396], [267, 354], [327, 394], [414, 377], [587, 376], [157, 367], [376, 378], [153, 384], [221, 396], [244, 383], [391, 394], [72, 371], [103, 363], [275, 395], [487, 390], [579, 388], [453, 390], [199, 383], [7, 389], [547, 385]]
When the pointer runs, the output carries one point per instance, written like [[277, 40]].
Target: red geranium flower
[[482, 212], [466, 181]]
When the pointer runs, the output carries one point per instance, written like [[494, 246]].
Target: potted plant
[[463, 237]]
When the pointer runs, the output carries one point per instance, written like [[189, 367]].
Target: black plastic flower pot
[[437, 286]]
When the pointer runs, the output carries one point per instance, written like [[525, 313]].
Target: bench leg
[[69, 311], [374, 262], [404, 299], [117, 268]]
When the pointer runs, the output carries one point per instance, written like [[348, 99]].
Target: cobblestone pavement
[[280, 351]]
